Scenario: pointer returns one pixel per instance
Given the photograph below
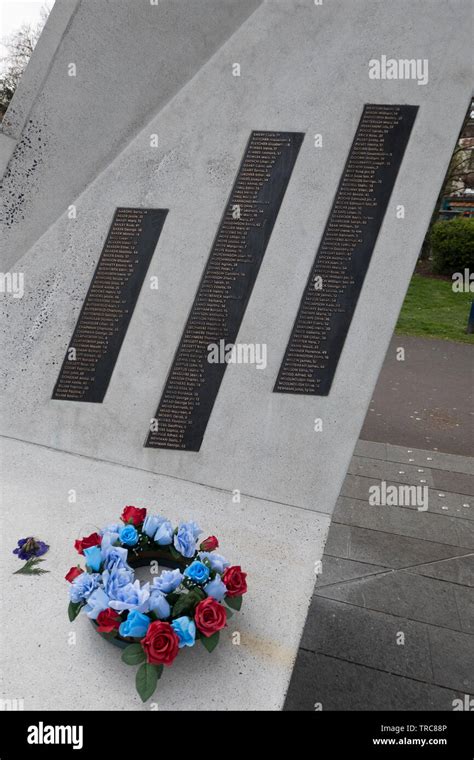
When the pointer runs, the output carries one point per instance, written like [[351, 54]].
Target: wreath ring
[[154, 621]]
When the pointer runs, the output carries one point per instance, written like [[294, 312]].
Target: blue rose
[[132, 597], [151, 524], [216, 561], [93, 557], [115, 557], [185, 629], [197, 572], [129, 535], [112, 528], [83, 586], [159, 604], [168, 581], [109, 538], [115, 579], [216, 589], [185, 539], [164, 534], [136, 625], [97, 602]]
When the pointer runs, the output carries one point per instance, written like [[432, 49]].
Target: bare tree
[[20, 46]]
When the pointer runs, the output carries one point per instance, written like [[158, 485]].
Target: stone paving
[[391, 621]]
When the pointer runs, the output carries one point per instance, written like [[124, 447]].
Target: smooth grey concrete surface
[[276, 544], [131, 58], [391, 622], [257, 441], [427, 400]]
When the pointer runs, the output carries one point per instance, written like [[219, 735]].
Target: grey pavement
[[391, 621], [426, 400]]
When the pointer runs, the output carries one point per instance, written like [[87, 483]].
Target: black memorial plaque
[[109, 304], [336, 279], [224, 291]]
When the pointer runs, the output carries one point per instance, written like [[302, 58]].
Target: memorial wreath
[[151, 622]]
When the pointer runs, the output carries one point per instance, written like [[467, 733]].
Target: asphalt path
[[426, 400]]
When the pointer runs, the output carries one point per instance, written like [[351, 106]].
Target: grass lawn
[[432, 310]]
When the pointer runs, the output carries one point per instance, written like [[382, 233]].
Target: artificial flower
[[209, 544], [129, 535], [210, 616], [234, 580], [30, 547], [83, 543], [133, 515], [136, 625], [161, 643], [197, 572], [185, 629]]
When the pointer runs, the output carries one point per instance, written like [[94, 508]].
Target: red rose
[[160, 644], [209, 544], [73, 573], [210, 616], [84, 543], [108, 620], [133, 515], [234, 580]]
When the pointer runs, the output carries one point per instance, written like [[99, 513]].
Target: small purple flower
[[30, 547]]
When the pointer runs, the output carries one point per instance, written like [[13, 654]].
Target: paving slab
[[454, 481], [327, 683], [406, 595], [434, 459], [452, 658], [456, 570], [465, 603], [381, 548], [375, 639], [440, 528], [376, 468], [442, 502], [390, 644], [337, 569]]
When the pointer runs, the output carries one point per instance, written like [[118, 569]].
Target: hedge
[[452, 245]]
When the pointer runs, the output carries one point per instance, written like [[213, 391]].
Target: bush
[[452, 244]]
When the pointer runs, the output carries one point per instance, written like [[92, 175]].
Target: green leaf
[[108, 635], [30, 567], [210, 642], [174, 552], [183, 605], [186, 603], [146, 679], [229, 613], [133, 654], [235, 602], [74, 609]]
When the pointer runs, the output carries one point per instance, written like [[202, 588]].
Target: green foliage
[[210, 642], [31, 568], [147, 679], [235, 602], [186, 603], [133, 655], [74, 609], [452, 244]]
